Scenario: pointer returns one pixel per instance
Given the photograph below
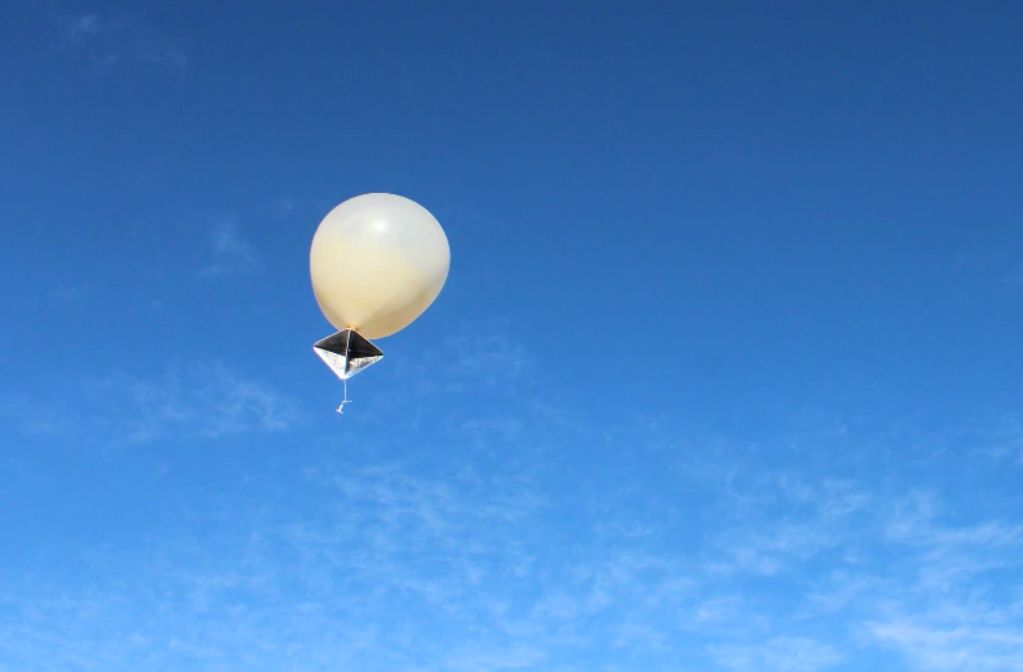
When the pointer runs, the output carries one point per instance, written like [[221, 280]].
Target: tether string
[[341, 408]]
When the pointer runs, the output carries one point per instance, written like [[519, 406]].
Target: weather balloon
[[377, 262]]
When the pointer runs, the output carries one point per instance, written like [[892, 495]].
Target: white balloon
[[377, 262]]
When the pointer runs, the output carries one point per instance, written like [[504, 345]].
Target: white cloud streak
[[203, 400], [114, 39], [231, 253], [482, 551], [779, 654]]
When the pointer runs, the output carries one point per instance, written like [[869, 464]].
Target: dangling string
[[341, 408]]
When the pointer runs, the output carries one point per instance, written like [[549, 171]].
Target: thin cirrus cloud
[[204, 400], [112, 39], [399, 547], [989, 644], [230, 253], [406, 556], [207, 400], [781, 654]]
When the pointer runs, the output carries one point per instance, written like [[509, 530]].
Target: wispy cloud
[[115, 38], [949, 609], [230, 252], [72, 293], [785, 523], [518, 540], [480, 357], [200, 400], [952, 645], [84, 26], [208, 400], [521, 657], [780, 654]]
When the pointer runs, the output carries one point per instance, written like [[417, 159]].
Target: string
[[341, 408]]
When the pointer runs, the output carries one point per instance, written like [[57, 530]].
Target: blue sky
[[726, 375]]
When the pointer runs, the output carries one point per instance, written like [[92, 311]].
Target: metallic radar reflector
[[347, 353]]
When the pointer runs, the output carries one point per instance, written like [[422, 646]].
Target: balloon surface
[[377, 262]]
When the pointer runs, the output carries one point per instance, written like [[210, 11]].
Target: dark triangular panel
[[347, 353], [336, 343], [359, 347]]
